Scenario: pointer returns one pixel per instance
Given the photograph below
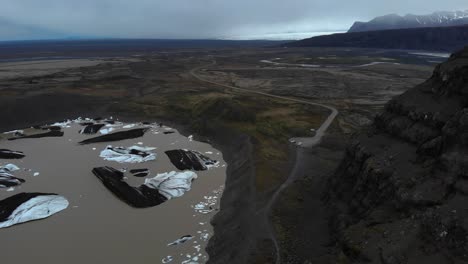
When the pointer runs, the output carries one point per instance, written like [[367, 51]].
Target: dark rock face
[[52, 133], [91, 128], [117, 136], [139, 197], [9, 154], [393, 21], [400, 194], [189, 160]]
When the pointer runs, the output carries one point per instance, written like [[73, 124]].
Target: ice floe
[[26, 207], [190, 160], [133, 154], [139, 197], [91, 129], [51, 133], [107, 130], [63, 124], [181, 240], [129, 126], [7, 179], [116, 136], [172, 184], [167, 259], [139, 172]]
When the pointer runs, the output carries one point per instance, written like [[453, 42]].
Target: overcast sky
[[206, 18]]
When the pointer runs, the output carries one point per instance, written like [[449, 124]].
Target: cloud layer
[[206, 18]]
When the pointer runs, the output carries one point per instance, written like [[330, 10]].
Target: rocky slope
[[400, 194], [438, 38], [394, 21]]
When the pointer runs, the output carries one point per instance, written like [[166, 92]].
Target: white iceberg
[[134, 154], [9, 168], [172, 184], [38, 207]]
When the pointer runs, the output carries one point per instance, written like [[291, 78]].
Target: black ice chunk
[[121, 135], [91, 129], [139, 197], [189, 160], [52, 133], [140, 172], [9, 154]]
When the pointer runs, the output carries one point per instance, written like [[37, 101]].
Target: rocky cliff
[[401, 193]]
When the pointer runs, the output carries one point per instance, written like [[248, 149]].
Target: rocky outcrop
[[400, 194]]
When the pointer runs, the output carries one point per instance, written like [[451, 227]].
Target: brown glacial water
[[97, 227]]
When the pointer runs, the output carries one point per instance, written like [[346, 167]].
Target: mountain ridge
[[395, 21], [447, 39]]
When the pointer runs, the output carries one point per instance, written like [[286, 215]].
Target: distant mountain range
[[437, 38], [394, 21]]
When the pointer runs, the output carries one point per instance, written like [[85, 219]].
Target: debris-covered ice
[[116, 136], [190, 160], [7, 179], [91, 129], [139, 197], [51, 133], [133, 154], [24, 207]]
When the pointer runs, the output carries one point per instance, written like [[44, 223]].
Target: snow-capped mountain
[[394, 21]]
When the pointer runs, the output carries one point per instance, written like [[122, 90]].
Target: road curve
[[304, 143]]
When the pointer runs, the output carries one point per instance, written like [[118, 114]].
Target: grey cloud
[[205, 18]]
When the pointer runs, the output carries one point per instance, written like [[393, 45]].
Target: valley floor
[[251, 129]]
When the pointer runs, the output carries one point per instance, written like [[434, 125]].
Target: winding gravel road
[[304, 143]]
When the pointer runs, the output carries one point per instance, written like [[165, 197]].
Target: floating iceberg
[[91, 128], [26, 207], [117, 136], [181, 240], [153, 192], [139, 197], [190, 160], [172, 184], [9, 154], [134, 154], [8, 180], [139, 172], [51, 133]]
